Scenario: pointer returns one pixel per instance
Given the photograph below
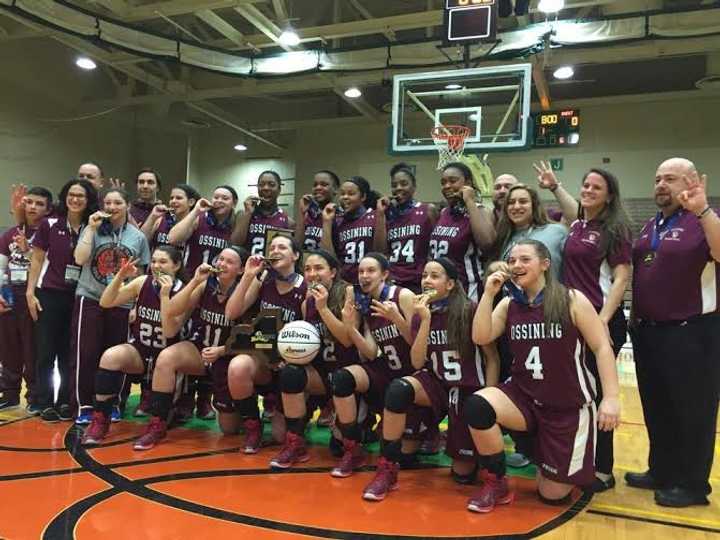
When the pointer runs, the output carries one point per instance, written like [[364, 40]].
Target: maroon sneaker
[[143, 408], [292, 452], [155, 432], [253, 435], [494, 491], [384, 482], [353, 458], [97, 430]]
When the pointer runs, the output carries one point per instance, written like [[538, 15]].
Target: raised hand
[[255, 264], [304, 203], [349, 312], [166, 282], [387, 310], [546, 177], [116, 183], [421, 306], [320, 294], [96, 219], [383, 204], [250, 203], [158, 211], [202, 272], [694, 198], [495, 281], [17, 197], [467, 193], [203, 205], [128, 268], [329, 212]]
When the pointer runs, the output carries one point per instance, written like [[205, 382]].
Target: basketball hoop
[[450, 143]]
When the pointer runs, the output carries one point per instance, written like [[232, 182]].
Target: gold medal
[[649, 258]]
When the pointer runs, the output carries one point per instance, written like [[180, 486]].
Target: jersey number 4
[[533, 363]]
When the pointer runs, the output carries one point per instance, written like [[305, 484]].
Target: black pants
[[678, 376], [604, 453], [52, 340]]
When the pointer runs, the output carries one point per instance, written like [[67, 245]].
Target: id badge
[[18, 276], [72, 273]]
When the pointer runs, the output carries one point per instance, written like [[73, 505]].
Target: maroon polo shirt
[[58, 241], [678, 280], [585, 266]]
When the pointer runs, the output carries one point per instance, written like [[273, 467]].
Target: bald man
[[501, 186], [676, 336], [93, 173]]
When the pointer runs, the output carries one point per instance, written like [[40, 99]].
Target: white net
[[450, 143]]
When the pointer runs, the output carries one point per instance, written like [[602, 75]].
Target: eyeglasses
[[76, 196]]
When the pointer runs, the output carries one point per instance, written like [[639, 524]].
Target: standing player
[[408, 224], [105, 244], [441, 325], [261, 213], [205, 297], [309, 227], [147, 184], [206, 229], [464, 229], [162, 219], [149, 332], [51, 294], [384, 344], [277, 287], [323, 309], [551, 391], [16, 325], [353, 234], [596, 261]]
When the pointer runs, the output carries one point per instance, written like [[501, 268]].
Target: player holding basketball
[[383, 311], [277, 286], [449, 369], [323, 309], [204, 297], [354, 233], [150, 333], [261, 213], [464, 229], [309, 229], [596, 261], [551, 391], [408, 224]]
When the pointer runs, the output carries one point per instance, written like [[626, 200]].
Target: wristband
[[704, 212], [554, 188]]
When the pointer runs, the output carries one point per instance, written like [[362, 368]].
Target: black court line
[[63, 449], [654, 521], [15, 421], [63, 525], [40, 474]]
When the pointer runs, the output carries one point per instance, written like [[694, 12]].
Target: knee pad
[[293, 379], [465, 479], [478, 412], [343, 383], [399, 395], [108, 383]]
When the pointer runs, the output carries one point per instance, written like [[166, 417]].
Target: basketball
[[298, 342]]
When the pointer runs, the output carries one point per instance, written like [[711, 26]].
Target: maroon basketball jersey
[[393, 347], [289, 303], [445, 361], [333, 352], [212, 328], [313, 232], [353, 239], [408, 238], [548, 363], [259, 223], [146, 330], [452, 237], [140, 211], [208, 240], [160, 238]]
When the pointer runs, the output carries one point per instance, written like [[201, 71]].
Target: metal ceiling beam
[[541, 84], [173, 8], [213, 20], [365, 14], [281, 12], [262, 23]]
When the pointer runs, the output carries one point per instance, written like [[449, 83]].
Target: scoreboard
[[468, 21], [557, 128]]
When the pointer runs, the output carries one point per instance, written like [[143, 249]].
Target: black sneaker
[[65, 413], [33, 410], [9, 402], [50, 415]]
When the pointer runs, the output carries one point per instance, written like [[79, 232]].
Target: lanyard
[[660, 228]]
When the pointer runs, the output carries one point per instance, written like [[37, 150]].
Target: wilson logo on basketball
[[294, 334]]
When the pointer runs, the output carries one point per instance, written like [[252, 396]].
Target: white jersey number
[[451, 367], [258, 245], [438, 248], [392, 357], [354, 251], [146, 336], [407, 251], [533, 363]]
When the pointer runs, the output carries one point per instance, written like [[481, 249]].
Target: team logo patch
[[107, 260]]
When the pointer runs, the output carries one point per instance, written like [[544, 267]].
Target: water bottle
[[7, 293]]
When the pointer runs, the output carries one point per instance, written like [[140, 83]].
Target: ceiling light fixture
[[551, 6], [453, 86], [289, 38], [353, 92], [564, 72], [240, 147], [85, 63]]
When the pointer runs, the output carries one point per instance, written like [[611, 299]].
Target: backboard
[[494, 102]]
